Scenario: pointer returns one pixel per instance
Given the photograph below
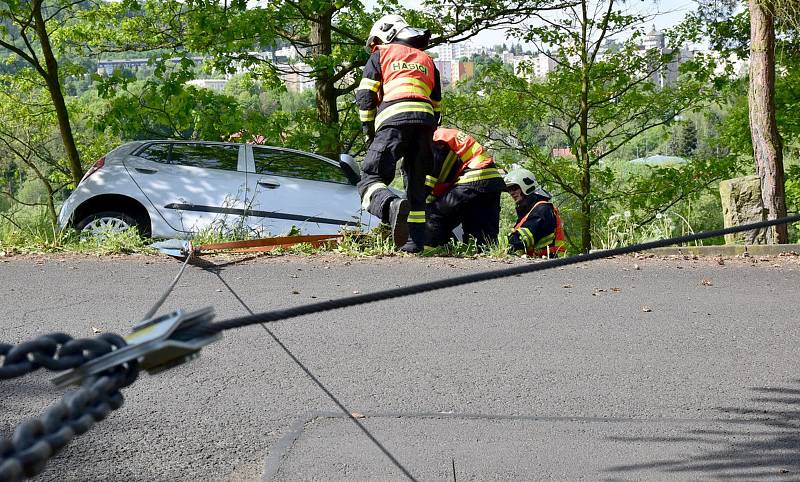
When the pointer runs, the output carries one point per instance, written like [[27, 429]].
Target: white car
[[174, 189]]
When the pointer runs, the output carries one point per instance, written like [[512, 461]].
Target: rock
[[741, 204]]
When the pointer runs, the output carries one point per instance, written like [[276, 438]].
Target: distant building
[[296, 77], [668, 74], [217, 85], [445, 70], [654, 40], [108, 66], [533, 66], [544, 64], [288, 54], [659, 160], [245, 65], [455, 51], [452, 71], [540, 64], [463, 71], [564, 152], [524, 67]]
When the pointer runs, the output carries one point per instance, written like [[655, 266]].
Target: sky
[[671, 12]]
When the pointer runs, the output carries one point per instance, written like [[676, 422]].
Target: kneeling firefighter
[[539, 231], [399, 101], [466, 190]]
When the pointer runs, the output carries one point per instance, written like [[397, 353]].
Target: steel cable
[[288, 313], [322, 387], [169, 289]]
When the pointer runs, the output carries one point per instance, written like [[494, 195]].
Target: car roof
[[136, 144], [181, 141]]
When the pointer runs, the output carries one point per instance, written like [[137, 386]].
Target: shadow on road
[[207, 265], [756, 442]]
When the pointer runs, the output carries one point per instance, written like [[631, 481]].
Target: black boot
[[417, 238], [398, 219]]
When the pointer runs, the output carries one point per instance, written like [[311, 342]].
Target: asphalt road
[[625, 369]]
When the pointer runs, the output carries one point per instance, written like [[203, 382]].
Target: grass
[[30, 231]]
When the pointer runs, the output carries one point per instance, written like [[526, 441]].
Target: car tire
[[114, 221]]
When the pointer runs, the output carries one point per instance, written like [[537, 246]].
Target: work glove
[[369, 132]]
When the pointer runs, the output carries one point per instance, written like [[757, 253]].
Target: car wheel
[[102, 223]]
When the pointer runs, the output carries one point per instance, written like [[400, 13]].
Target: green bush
[[793, 200]]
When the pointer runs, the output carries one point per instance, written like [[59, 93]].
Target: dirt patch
[[633, 261]]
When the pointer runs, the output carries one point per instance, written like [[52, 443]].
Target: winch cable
[[316, 380], [169, 289], [334, 304]]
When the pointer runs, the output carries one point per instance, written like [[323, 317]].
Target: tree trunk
[[583, 140], [586, 182], [54, 87], [324, 86], [51, 207], [767, 147]]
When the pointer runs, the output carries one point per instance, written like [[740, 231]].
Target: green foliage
[[114, 242], [30, 231], [164, 106], [31, 152], [736, 128], [222, 234], [378, 242], [526, 120], [793, 199]]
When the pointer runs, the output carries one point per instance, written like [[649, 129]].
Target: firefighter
[[466, 188], [399, 101], [539, 231]]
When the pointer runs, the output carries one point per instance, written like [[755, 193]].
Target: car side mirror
[[350, 168]]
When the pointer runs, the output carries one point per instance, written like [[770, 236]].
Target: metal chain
[[55, 351], [36, 440]]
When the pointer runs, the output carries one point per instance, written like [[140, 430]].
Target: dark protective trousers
[[414, 144], [477, 212]]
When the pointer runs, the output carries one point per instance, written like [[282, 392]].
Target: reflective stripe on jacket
[[467, 161], [400, 85], [553, 244]]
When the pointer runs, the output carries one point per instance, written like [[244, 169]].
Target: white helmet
[[526, 182], [385, 30]]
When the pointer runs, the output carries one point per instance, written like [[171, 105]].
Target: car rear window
[[205, 155], [156, 153], [292, 164]]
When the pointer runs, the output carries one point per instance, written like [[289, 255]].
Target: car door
[[193, 185], [289, 189]]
